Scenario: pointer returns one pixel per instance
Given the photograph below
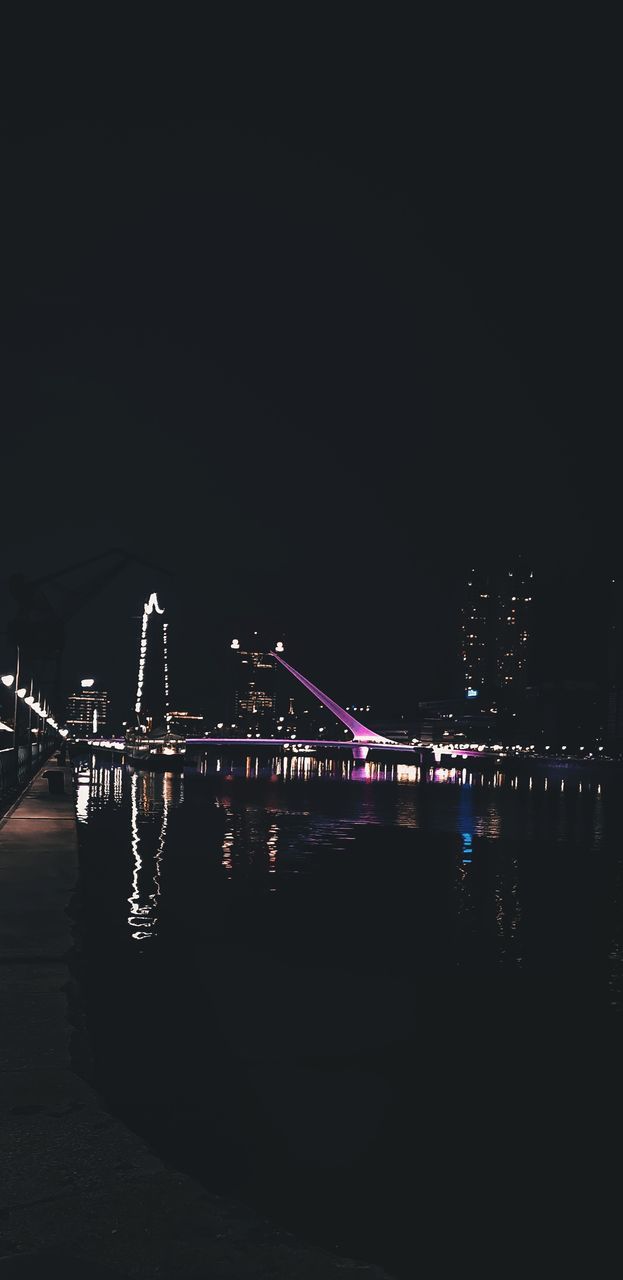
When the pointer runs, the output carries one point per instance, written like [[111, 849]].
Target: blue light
[[471, 693], [467, 846]]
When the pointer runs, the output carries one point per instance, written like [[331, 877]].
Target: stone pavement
[[80, 1194]]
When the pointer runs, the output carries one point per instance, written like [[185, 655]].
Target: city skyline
[[312, 397], [554, 655], [311, 643], [528, 703]]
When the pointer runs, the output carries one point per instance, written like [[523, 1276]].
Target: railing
[[15, 774]]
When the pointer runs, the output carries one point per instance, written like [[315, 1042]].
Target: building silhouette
[[185, 724], [614, 705], [496, 632], [88, 711], [254, 686]]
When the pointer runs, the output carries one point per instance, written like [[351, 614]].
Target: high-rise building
[[496, 629], [515, 620], [614, 709], [255, 686], [87, 711], [479, 628], [186, 724]]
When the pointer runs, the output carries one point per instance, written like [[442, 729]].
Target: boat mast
[[148, 608], [167, 715]]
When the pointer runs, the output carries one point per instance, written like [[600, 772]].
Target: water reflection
[[83, 795], [467, 847], [150, 799], [446, 941], [279, 817]]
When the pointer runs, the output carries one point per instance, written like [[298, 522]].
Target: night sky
[[315, 334]]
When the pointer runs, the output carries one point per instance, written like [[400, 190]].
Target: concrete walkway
[[80, 1194]]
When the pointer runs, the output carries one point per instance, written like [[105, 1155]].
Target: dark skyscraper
[[479, 634], [87, 711], [255, 692], [496, 632], [614, 710]]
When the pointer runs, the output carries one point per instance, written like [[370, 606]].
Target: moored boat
[[160, 759]]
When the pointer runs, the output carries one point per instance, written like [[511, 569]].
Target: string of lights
[[167, 717], [148, 609]]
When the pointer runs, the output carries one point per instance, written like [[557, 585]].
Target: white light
[[167, 716], [279, 646], [29, 700], [220, 724], [21, 693], [87, 684], [235, 644], [63, 732], [7, 680], [148, 607]]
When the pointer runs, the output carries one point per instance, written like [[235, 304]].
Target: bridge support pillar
[[360, 752]]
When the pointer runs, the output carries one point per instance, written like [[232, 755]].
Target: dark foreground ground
[[81, 1194], [402, 1054]]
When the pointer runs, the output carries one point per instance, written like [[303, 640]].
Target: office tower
[[87, 711], [496, 631], [614, 708], [255, 681]]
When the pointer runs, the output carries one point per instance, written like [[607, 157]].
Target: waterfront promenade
[[80, 1193]]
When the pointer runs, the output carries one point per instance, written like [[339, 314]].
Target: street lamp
[[8, 681]]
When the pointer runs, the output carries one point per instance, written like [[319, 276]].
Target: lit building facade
[[255, 686], [496, 632], [614, 708], [88, 711], [185, 724]]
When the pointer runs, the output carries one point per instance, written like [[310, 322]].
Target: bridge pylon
[[363, 737]]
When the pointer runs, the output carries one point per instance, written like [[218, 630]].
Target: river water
[[387, 1013]]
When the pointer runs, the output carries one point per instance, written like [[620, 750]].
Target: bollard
[[56, 781]]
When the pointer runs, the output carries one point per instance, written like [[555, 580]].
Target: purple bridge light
[[363, 738]]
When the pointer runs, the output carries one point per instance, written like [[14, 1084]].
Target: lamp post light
[[8, 681]]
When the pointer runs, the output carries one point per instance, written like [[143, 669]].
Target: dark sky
[[313, 318]]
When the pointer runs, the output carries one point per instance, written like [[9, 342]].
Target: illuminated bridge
[[362, 740]]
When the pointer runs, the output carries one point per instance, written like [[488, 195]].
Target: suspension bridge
[[360, 741]]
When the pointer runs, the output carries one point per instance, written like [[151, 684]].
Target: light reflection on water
[[143, 900], [277, 816], [308, 893]]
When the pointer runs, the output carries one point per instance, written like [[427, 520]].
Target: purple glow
[[358, 730]]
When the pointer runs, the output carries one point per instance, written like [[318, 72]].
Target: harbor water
[[385, 1012]]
